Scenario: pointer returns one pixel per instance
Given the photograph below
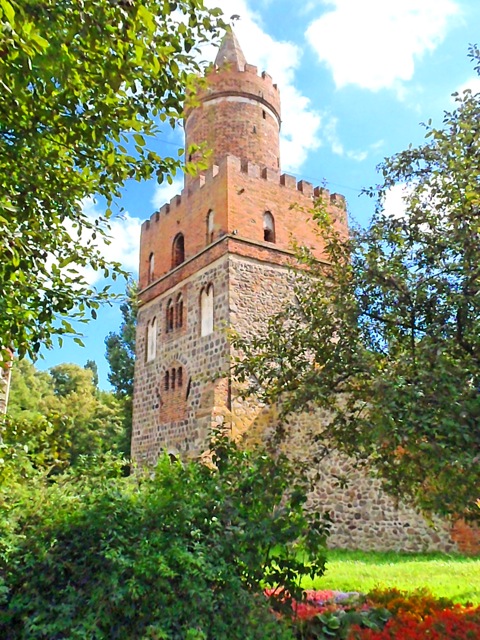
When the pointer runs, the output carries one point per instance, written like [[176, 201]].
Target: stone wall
[[178, 419], [363, 515]]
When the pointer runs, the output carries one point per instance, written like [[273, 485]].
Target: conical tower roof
[[230, 52]]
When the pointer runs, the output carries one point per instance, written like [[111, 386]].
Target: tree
[[59, 417], [185, 551], [84, 86], [120, 354], [387, 337], [92, 366]]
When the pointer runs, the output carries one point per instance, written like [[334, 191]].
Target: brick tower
[[215, 256]]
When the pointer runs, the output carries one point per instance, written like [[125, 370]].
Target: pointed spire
[[230, 52]]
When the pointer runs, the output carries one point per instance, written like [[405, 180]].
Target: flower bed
[[382, 615]]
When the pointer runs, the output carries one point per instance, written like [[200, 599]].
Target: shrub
[[461, 623], [183, 553], [388, 614], [417, 603], [325, 615]]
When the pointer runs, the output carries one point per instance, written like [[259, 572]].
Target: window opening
[[151, 267], [180, 376], [151, 340], [210, 226], [170, 315], [178, 252], [167, 380], [206, 310], [268, 227], [179, 311], [173, 378]]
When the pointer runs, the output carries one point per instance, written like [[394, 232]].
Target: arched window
[[151, 267], [151, 340], [169, 317], [206, 310], [210, 226], [268, 227], [179, 311], [178, 250], [173, 378], [167, 380], [180, 376]]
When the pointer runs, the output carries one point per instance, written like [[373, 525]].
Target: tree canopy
[[85, 86], [58, 417], [387, 337], [120, 354], [120, 347], [184, 551]]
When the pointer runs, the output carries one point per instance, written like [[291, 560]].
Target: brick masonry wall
[[239, 193], [237, 113], [364, 516]]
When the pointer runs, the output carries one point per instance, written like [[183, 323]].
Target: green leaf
[[139, 139], [8, 11]]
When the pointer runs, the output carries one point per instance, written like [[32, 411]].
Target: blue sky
[[356, 79]]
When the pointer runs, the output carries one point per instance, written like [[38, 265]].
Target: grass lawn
[[453, 576]]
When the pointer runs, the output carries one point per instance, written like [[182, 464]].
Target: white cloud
[[337, 147], [472, 83], [395, 204], [374, 44], [124, 243], [164, 192], [300, 122]]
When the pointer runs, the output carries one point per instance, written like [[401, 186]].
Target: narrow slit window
[[206, 311], [210, 226], [178, 250], [151, 267], [170, 316], [173, 378], [180, 377], [167, 380], [268, 227], [179, 311], [151, 340]]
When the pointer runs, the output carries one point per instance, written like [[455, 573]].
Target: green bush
[[183, 553]]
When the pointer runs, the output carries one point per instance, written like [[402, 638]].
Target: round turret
[[238, 111]]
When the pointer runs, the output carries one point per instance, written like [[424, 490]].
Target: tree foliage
[[120, 354], [92, 366], [387, 337], [85, 85], [184, 552], [120, 347], [56, 418]]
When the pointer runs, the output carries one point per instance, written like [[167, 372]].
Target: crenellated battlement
[[230, 67], [250, 75], [164, 210], [254, 171], [285, 180]]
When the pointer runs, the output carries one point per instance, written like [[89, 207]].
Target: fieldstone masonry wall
[[363, 515], [178, 419]]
